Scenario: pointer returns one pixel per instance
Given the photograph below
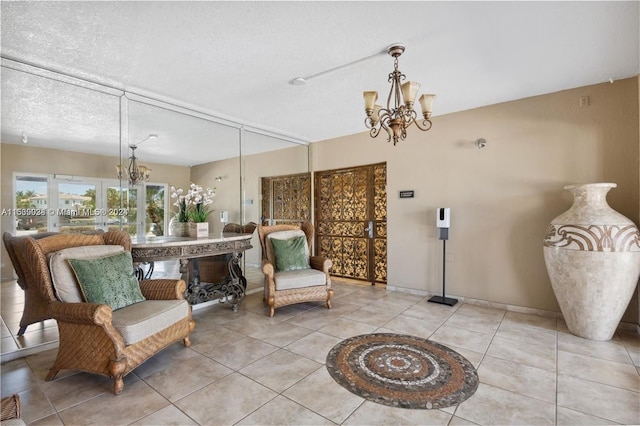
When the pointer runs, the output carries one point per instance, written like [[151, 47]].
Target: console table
[[148, 250]]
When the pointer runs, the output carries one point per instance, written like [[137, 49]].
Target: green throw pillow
[[108, 280], [290, 254]]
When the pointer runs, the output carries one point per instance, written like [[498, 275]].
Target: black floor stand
[[443, 300]]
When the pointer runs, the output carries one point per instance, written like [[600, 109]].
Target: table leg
[[191, 294], [149, 273], [230, 291], [139, 271], [238, 283]]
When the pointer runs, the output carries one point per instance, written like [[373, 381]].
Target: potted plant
[[191, 217]]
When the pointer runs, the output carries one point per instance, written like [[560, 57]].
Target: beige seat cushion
[[141, 320], [62, 276], [301, 278], [13, 422]]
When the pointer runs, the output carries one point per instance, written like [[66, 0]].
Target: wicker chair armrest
[[82, 313], [163, 289], [269, 276], [267, 268], [10, 407], [118, 238], [320, 263]]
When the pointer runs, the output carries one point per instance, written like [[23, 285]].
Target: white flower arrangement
[[192, 205]]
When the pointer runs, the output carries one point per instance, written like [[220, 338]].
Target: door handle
[[369, 229]]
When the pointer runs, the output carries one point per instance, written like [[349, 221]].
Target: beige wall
[[274, 163], [29, 159], [501, 197]]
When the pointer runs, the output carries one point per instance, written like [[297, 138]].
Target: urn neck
[[590, 195], [590, 207]]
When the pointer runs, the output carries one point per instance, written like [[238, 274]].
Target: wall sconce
[[218, 178]]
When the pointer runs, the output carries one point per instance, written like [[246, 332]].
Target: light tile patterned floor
[[246, 368]]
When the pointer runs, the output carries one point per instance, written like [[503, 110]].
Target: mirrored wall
[[64, 138], [59, 136]]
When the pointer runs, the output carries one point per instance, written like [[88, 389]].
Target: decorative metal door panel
[[286, 199], [351, 221]]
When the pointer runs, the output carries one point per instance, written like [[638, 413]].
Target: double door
[[351, 221]]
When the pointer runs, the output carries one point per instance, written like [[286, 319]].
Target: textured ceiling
[[235, 60]]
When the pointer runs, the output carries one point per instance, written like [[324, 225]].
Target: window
[[72, 204], [31, 197]]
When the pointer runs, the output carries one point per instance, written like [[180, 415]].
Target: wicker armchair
[[10, 415], [248, 228], [35, 307], [93, 337], [283, 288]]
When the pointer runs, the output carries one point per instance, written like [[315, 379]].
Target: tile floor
[[245, 368]]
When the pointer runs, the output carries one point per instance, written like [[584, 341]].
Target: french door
[[77, 204], [351, 221]]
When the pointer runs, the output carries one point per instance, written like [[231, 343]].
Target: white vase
[[592, 255]]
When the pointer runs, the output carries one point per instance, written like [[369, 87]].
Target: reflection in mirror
[[57, 136], [183, 139], [49, 111], [62, 138], [262, 156]]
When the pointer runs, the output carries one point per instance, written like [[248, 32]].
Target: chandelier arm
[[384, 114], [409, 116], [426, 124], [368, 122], [392, 80], [399, 78], [387, 129]]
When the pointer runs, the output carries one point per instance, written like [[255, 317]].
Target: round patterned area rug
[[402, 371]]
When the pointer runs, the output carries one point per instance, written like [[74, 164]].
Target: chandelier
[[135, 173], [399, 113]]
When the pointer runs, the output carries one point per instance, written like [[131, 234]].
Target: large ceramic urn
[[592, 254]]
